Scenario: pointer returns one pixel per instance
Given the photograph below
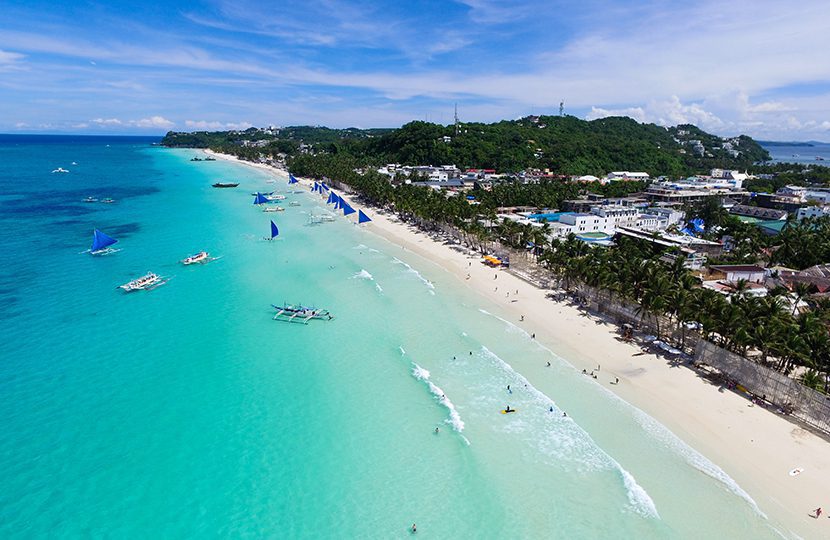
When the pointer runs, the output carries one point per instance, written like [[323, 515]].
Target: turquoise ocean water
[[187, 412]]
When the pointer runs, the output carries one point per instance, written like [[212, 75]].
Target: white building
[[807, 212], [652, 222], [625, 175], [672, 216]]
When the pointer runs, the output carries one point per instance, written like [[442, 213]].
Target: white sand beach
[[753, 445]]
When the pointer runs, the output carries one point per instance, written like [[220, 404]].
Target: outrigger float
[[147, 282], [300, 314]]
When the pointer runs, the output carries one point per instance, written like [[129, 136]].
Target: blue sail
[[362, 218], [316, 187], [274, 230], [347, 209], [324, 186], [101, 241], [260, 198], [291, 179], [338, 202], [332, 198]]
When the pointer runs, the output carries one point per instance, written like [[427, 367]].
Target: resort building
[[694, 189], [812, 212]]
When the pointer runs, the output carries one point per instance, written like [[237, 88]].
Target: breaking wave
[[455, 419], [660, 432], [424, 280], [577, 445]]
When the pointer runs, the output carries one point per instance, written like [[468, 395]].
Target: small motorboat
[[270, 209], [60, 170], [90, 199]]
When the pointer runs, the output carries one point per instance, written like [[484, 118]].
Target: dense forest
[[560, 144]]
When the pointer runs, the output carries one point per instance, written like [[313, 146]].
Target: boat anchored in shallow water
[[225, 184], [273, 209], [300, 314], [198, 258], [60, 170], [147, 282]]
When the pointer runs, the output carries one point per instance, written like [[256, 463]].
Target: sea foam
[[364, 274], [455, 419], [576, 444], [658, 431], [411, 270]]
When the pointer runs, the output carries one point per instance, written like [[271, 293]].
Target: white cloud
[[153, 122], [21, 125], [107, 121], [670, 112], [144, 123], [7, 57], [214, 125]]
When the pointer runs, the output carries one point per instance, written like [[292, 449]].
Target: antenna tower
[[562, 108], [456, 119]]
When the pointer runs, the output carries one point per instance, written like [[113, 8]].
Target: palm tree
[[801, 290]]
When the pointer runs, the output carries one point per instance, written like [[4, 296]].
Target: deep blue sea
[[800, 154], [187, 412]]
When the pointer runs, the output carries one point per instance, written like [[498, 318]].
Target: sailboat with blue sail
[[362, 218], [347, 209], [274, 231], [260, 198], [101, 244], [291, 179]]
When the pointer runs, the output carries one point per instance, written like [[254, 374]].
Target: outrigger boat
[[294, 203], [300, 314], [225, 184], [101, 244], [316, 219], [201, 257], [273, 209], [146, 282], [90, 199]]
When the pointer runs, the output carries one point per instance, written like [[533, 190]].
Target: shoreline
[[754, 446]]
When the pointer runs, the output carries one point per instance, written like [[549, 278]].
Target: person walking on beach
[[818, 512]]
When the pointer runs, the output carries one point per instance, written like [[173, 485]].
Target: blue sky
[[755, 67]]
